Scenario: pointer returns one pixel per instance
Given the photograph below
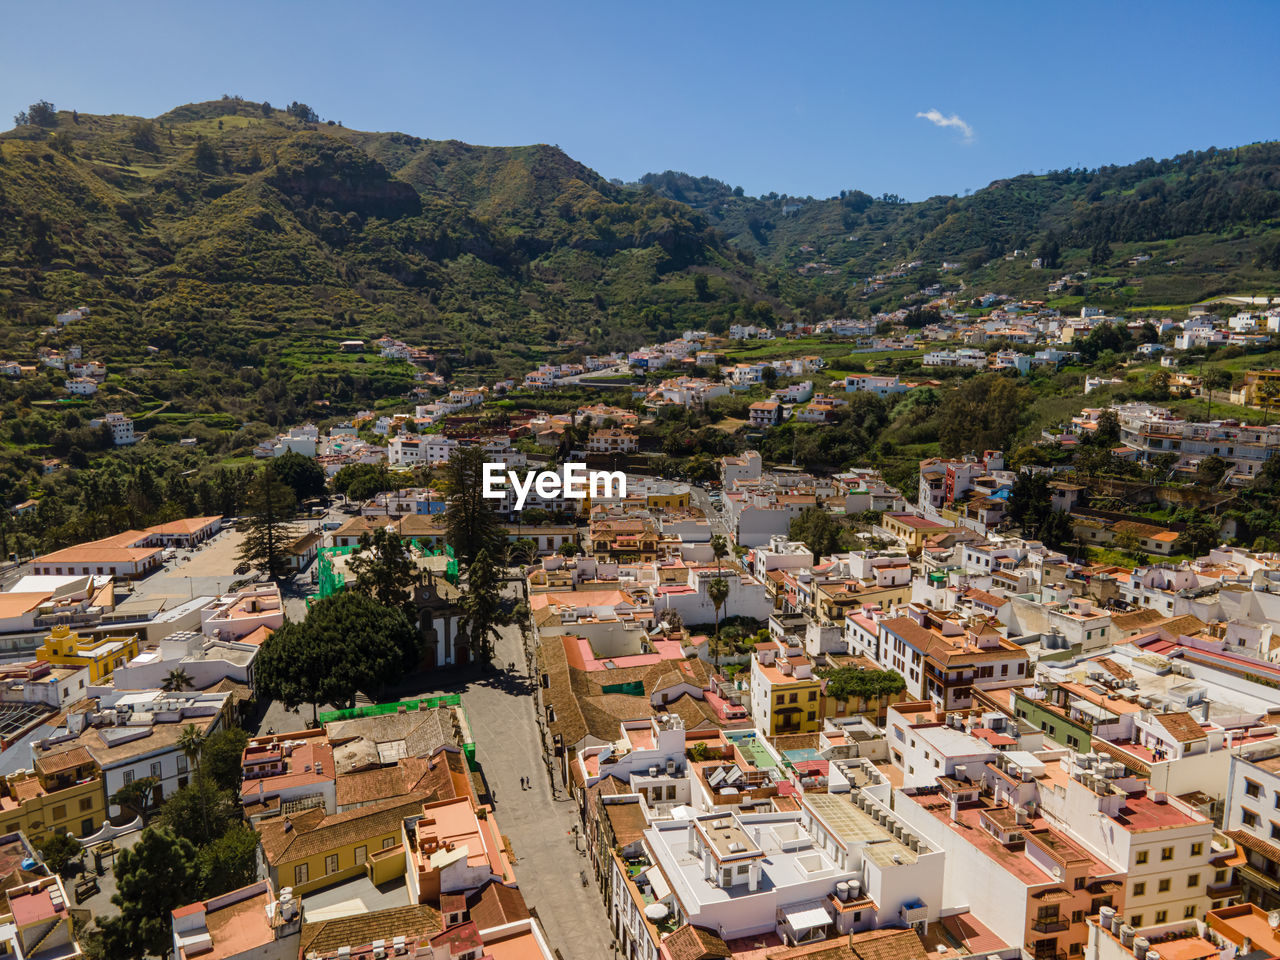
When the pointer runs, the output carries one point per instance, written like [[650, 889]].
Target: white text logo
[[575, 482]]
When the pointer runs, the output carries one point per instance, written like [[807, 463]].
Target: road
[[719, 521], [500, 708]]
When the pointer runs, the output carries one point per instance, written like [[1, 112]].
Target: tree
[[1108, 428], [138, 796], [850, 683], [190, 741], [1128, 541], [58, 849], [220, 757], [302, 113], [229, 861], [40, 114], [176, 680], [304, 476], [818, 530], [1197, 539], [348, 643], [769, 375], [718, 591], [1211, 470], [470, 518], [482, 610], [153, 877], [984, 414], [204, 155], [568, 549], [200, 812], [268, 531], [142, 134], [384, 569], [1216, 379], [719, 550]]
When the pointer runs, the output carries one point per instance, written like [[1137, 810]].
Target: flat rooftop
[[855, 827]]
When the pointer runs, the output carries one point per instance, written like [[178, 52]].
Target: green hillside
[[1207, 220], [230, 235]]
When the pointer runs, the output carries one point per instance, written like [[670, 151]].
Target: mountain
[[231, 234], [227, 248], [1205, 222]]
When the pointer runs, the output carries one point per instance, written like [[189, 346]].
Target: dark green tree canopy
[[348, 643]]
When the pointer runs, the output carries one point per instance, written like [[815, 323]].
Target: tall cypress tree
[[470, 518], [269, 530]]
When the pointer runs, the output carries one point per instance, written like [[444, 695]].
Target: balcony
[[1050, 924]]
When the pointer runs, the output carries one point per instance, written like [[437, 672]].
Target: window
[[155, 770], [1252, 789], [1139, 889], [389, 842], [782, 698], [362, 854], [1189, 911], [795, 698], [331, 863], [1249, 818], [300, 875], [811, 715], [86, 826], [1080, 883], [1197, 849], [1219, 876], [1162, 916], [1164, 885], [1193, 880], [1275, 830], [182, 763], [60, 812], [813, 694], [1141, 858], [1076, 949], [1135, 920], [86, 803], [128, 777], [1166, 853]]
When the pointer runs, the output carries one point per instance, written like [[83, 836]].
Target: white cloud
[[939, 119]]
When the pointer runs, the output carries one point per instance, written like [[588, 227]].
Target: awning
[[806, 916]]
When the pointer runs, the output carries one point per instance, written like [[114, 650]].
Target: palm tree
[[176, 681], [719, 549], [718, 590], [190, 742]]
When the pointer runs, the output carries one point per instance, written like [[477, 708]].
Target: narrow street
[[500, 708]]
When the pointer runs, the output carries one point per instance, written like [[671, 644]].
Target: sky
[[912, 98]]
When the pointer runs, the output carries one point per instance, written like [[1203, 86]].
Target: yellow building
[[1261, 388], [669, 501], [65, 794], [836, 598], [311, 850], [785, 695], [910, 529], [100, 654]]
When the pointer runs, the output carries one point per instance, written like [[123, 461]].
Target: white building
[[121, 428]]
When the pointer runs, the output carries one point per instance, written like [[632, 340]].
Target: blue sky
[[798, 98]]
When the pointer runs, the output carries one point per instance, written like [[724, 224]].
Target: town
[[753, 710]]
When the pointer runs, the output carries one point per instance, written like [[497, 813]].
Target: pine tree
[[482, 609], [268, 530], [471, 521], [155, 876], [384, 569]]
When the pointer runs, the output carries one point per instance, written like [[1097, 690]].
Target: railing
[[1050, 925]]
